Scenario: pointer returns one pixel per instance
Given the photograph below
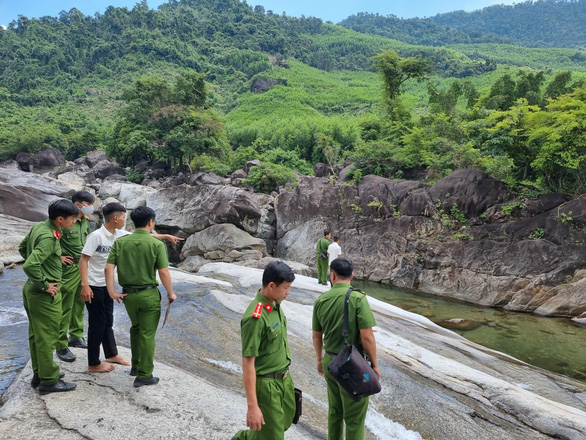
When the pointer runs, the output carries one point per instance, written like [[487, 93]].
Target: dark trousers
[[101, 320]]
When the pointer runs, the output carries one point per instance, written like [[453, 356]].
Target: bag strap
[[345, 329]]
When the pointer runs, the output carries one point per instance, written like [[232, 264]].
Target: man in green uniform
[[73, 306], [138, 257], [266, 357], [328, 317], [41, 296], [322, 257]]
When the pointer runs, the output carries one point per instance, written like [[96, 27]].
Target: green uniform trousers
[[144, 311], [276, 400], [44, 315], [72, 315], [322, 270], [341, 408]]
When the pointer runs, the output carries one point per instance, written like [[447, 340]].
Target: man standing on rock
[[334, 251], [42, 298], [72, 243], [328, 318], [266, 357], [138, 257], [322, 257]]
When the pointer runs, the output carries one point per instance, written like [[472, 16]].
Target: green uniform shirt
[[265, 337], [322, 245], [138, 256], [328, 317], [74, 239], [42, 251]]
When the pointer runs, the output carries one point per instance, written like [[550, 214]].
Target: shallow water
[[555, 344], [552, 343]]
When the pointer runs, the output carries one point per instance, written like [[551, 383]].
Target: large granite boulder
[[27, 195], [224, 242], [194, 208], [105, 168], [12, 230], [45, 160]]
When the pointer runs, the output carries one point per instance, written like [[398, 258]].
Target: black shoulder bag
[[351, 369]]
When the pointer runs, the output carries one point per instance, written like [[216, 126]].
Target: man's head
[[143, 218], [84, 200], [63, 213], [327, 233], [114, 214], [336, 238], [341, 270], [276, 281]]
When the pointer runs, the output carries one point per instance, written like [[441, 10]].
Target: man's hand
[[117, 296], [172, 297], [86, 294], [320, 367], [377, 371], [254, 418], [53, 289], [173, 239], [67, 260]]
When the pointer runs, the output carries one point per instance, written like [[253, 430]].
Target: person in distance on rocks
[[334, 251], [321, 248], [42, 298], [138, 257]]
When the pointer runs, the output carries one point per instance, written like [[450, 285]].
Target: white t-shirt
[[98, 246], [334, 251]]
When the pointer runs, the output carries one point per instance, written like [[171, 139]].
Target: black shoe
[[65, 355], [138, 382], [36, 380], [133, 371], [57, 387], [78, 342]]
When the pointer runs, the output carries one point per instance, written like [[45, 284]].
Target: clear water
[[555, 344]]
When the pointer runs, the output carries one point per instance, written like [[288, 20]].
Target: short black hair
[[62, 208], [277, 272], [142, 215], [83, 196], [110, 209], [336, 237], [343, 267], [326, 232]]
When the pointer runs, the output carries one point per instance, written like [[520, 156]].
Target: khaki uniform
[[42, 251], [264, 336], [138, 256], [72, 243], [328, 318], [322, 264]]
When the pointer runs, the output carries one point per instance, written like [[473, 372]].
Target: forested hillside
[[174, 85], [538, 23]]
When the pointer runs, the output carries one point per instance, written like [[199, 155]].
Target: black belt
[[138, 289], [276, 375]]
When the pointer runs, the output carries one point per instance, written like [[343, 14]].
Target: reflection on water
[[555, 344]]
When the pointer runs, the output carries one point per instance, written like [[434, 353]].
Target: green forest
[[404, 99]]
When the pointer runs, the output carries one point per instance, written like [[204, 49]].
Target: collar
[[266, 304], [141, 231], [106, 232]]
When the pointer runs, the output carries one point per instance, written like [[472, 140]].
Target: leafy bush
[[210, 164], [133, 175], [269, 177]]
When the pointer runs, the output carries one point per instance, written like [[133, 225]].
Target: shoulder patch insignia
[[56, 234], [257, 311], [268, 307]]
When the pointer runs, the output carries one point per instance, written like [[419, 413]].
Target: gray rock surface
[[12, 230]]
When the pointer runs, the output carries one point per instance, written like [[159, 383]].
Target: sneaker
[[139, 382], [78, 342], [133, 371], [36, 380], [58, 387], [66, 355]]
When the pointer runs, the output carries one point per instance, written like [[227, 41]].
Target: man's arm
[[165, 276], [110, 285], [172, 238], [369, 344], [318, 343], [86, 291], [254, 417]]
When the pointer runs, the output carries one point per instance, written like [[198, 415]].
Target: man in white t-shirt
[[334, 251], [100, 306]]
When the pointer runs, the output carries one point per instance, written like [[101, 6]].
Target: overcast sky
[[333, 10]]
